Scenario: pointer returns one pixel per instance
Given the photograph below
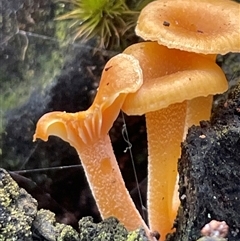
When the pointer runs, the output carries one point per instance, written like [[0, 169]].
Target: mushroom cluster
[[171, 79], [176, 93], [180, 77]]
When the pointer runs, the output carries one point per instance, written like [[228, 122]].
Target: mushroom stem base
[[107, 184], [165, 129]]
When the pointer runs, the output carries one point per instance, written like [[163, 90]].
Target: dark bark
[[209, 173]]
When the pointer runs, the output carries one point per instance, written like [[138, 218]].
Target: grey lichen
[[66, 233], [17, 210], [20, 220], [109, 230], [137, 235], [47, 228]]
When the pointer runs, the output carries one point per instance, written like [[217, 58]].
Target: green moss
[[112, 22]]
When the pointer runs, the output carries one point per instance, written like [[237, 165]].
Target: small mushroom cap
[[122, 75], [201, 26], [171, 76]]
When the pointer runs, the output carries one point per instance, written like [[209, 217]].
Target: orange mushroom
[[174, 82], [207, 27], [87, 132], [200, 26]]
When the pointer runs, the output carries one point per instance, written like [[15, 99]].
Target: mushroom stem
[[164, 146], [107, 184], [198, 109], [165, 129]]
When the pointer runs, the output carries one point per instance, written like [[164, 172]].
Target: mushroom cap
[[122, 75], [171, 76], [114, 83], [201, 26]]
